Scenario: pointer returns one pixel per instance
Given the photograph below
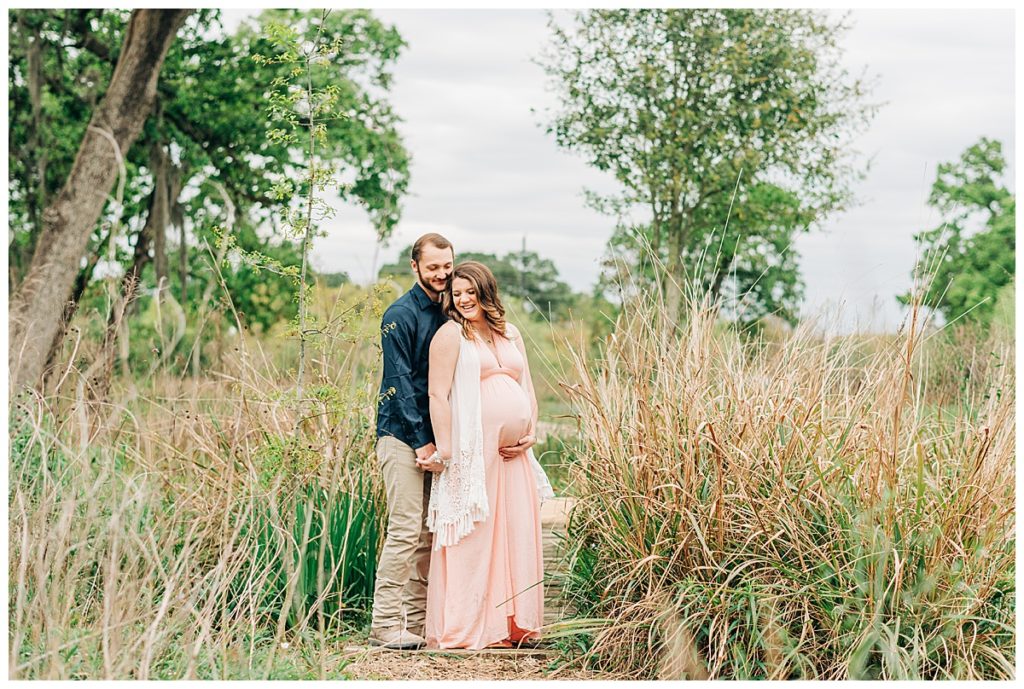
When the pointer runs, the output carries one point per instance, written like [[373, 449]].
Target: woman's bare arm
[[444, 354]]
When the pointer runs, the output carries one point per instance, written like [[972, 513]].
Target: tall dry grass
[[190, 531], [802, 510]]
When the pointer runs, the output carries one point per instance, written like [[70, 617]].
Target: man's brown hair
[[430, 238]]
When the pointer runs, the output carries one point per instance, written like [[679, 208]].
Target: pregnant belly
[[504, 409]]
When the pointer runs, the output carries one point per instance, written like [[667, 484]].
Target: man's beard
[[429, 288]]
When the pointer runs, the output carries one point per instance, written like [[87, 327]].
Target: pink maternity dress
[[487, 588]]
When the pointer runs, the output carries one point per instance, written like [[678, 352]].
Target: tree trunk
[[676, 279], [37, 306], [178, 220], [159, 211], [70, 309]]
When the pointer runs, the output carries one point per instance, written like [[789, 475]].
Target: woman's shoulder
[[448, 329], [449, 332], [511, 331]]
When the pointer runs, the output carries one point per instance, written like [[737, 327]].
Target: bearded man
[[404, 435]]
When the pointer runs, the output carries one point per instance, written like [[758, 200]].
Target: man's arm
[[398, 332]]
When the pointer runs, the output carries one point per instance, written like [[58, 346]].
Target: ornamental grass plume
[[804, 510]]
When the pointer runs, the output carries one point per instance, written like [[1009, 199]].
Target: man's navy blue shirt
[[408, 326]]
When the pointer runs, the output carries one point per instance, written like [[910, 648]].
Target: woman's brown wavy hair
[[482, 279]]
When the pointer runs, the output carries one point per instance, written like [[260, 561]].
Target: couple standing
[[456, 419]]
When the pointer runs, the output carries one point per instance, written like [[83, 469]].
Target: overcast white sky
[[485, 174]]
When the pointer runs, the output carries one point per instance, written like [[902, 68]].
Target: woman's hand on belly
[[513, 451]]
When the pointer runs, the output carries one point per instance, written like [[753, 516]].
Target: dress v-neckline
[[494, 350]]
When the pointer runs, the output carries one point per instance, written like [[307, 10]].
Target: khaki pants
[[400, 595]]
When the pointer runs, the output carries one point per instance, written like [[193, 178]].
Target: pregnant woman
[[484, 587]]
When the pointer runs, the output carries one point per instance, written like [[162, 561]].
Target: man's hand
[[423, 459], [425, 451], [513, 451]]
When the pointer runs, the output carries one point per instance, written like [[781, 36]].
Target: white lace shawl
[[458, 495]]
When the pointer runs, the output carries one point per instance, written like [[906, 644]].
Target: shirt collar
[[420, 295]]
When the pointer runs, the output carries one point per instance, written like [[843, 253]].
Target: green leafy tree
[[206, 147], [54, 83], [262, 297], [970, 257], [539, 284], [730, 127], [333, 280], [114, 125]]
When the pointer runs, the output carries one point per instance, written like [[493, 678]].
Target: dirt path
[[480, 665], [375, 663]]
